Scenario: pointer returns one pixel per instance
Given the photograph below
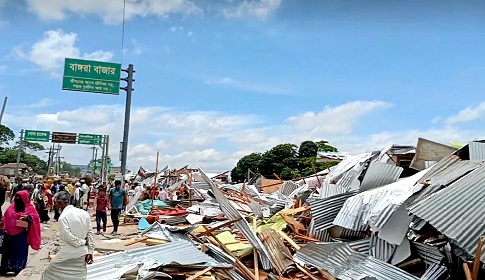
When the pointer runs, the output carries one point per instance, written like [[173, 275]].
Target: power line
[[123, 33]]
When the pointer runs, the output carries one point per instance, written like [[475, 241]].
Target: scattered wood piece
[[476, 262], [304, 237], [289, 240], [200, 273], [302, 269], [135, 240], [466, 269]]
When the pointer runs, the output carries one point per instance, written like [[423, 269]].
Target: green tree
[[251, 161], [323, 146], [6, 135], [274, 160], [34, 147], [308, 149]]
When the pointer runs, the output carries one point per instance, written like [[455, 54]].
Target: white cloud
[[468, 114], [111, 11], [137, 49], [50, 51], [335, 120], [195, 137], [248, 86], [260, 9], [44, 102]]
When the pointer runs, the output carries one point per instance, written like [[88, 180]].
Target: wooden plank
[[136, 240], [289, 240], [211, 230], [200, 273], [466, 269], [302, 269], [476, 262]]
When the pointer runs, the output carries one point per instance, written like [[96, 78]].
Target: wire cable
[[123, 33]]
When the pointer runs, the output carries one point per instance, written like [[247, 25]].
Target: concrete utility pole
[[3, 109], [19, 152], [126, 130]]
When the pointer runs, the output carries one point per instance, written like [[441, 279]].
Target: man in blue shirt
[[116, 201]]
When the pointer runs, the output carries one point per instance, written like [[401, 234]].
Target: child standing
[[101, 205]]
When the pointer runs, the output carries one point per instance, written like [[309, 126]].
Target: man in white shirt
[[84, 197], [77, 246]]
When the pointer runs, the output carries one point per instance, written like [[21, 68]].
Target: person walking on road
[[22, 226], [117, 198], [101, 205], [77, 246]]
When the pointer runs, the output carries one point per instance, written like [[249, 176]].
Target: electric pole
[[126, 130]]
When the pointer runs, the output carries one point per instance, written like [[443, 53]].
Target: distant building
[[114, 170], [9, 168], [326, 157], [221, 177]]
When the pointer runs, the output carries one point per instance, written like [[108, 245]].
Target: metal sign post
[[126, 130]]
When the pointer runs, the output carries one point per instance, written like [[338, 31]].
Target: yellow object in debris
[[457, 145], [235, 246], [276, 222]]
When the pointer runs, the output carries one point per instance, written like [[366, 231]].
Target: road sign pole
[[19, 152], [126, 130]]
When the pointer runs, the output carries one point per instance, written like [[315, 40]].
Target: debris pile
[[397, 214]]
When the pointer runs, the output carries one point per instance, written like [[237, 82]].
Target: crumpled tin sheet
[[242, 224], [346, 264]]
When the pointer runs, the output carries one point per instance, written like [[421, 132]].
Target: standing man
[[77, 246], [117, 198]]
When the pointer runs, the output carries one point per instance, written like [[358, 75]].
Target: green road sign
[[89, 139], [37, 135], [91, 76]]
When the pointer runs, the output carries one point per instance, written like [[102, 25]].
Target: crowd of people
[[31, 205]]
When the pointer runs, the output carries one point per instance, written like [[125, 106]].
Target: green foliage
[[72, 171], [251, 161], [308, 149], [323, 146], [286, 160], [6, 135], [35, 147]]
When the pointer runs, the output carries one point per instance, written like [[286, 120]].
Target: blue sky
[[218, 79]]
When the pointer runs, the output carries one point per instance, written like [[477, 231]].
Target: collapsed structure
[[400, 213]]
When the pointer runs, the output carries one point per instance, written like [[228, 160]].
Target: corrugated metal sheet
[[242, 224], [476, 150], [222, 257], [435, 272], [278, 252], [359, 233], [288, 187], [322, 235], [256, 208], [361, 246], [350, 178], [346, 164], [376, 206], [346, 264], [324, 210], [113, 266], [381, 249], [328, 190], [380, 174], [452, 210], [162, 232], [444, 173], [429, 254]]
